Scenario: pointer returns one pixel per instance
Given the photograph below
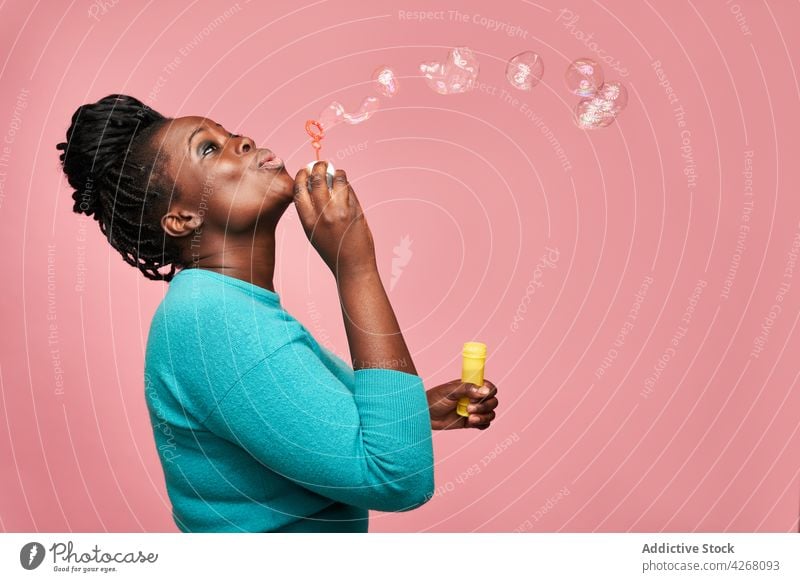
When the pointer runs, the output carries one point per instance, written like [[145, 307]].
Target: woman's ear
[[179, 223]]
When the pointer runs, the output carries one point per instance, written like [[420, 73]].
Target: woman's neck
[[251, 259]]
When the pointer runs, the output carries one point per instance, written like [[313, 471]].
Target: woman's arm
[[337, 228], [370, 448], [373, 333]]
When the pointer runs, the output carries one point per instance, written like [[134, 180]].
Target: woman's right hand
[[334, 222]]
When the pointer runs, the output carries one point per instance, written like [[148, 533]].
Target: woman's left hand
[[443, 399]]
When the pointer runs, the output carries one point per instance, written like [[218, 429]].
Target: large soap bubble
[[524, 71], [456, 75]]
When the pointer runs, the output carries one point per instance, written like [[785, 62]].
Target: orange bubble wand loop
[[316, 132]]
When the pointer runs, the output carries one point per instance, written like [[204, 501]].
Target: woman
[[258, 427]]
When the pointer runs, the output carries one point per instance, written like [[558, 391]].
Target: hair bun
[[98, 140]]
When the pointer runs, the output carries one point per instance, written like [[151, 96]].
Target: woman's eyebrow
[[197, 130]]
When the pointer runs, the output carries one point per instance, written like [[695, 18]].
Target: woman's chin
[[280, 183], [283, 194]]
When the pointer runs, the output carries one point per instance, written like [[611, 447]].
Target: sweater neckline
[[252, 289]]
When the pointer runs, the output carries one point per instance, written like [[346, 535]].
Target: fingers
[[342, 189], [483, 401], [318, 182], [302, 199], [492, 388], [482, 406], [480, 421], [459, 389], [340, 183], [487, 390]]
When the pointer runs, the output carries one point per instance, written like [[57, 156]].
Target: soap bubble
[[584, 77], [615, 93], [461, 69], [334, 114], [434, 75], [594, 113], [385, 81], [524, 71], [368, 107], [457, 75], [602, 109]]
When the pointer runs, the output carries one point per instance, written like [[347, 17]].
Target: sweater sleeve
[[370, 447]]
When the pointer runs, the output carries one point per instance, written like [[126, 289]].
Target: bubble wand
[[315, 130]]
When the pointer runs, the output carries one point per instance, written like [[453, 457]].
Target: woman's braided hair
[[110, 160]]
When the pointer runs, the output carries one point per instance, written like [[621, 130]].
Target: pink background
[[476, 183]]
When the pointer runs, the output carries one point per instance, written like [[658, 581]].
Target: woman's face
[[222, 181]]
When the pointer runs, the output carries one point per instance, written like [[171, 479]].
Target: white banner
[[417, 557]]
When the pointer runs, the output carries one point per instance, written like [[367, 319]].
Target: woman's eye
[[206, 147]]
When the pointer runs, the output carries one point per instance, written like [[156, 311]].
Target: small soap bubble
[[584, 77], [385, 81], [456, 75], [524, 71]]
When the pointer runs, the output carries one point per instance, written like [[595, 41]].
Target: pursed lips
[[269, 161]]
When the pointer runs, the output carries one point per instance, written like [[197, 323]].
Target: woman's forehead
[[180, 129], [192, 122]]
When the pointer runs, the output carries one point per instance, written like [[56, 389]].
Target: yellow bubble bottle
[[473, 361]]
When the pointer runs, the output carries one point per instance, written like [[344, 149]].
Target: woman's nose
[[244, 145]]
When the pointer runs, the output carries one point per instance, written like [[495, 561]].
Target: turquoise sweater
[[261, 429]]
